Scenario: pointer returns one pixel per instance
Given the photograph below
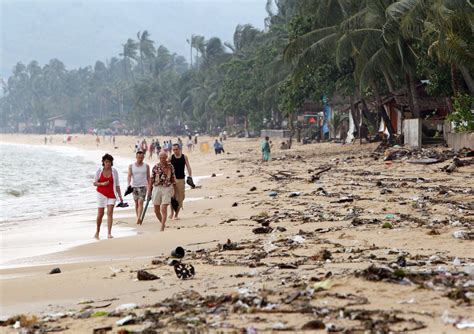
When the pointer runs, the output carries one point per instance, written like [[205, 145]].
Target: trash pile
[[420, 156]]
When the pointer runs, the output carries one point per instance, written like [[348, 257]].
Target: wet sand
[[423, 205]]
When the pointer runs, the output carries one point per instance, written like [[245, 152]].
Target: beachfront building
[[57, 124]]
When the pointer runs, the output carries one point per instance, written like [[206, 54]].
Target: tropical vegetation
[[344, 50]]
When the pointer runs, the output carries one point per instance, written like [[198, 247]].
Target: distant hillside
[[81, 32]]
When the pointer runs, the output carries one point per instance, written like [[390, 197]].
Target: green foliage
[[345, 50], [336, 121], [462, 115]]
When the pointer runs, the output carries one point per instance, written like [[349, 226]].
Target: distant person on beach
[[97, 141], [151, 148], [218, 147], [108, 189], [162, 187], [45, 140], [190, 144], [179, 161], [196, 139], [266, 149], [139, 177], [113, 140], [144, 146], [222, 145], [180, 143], [157, 147]]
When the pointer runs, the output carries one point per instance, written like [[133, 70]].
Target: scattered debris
[[315, 177], [294, 194], [125, 307], [344, 200], [144, 275], [128, 320], [184, 271], [102, 330], [456, 163], [178, 252], [262, 230], [314, 324], [466, 235], [55, 271], [229, 245]]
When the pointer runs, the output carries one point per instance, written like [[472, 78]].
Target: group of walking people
[[162, 184]]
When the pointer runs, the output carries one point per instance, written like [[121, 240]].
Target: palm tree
[[448, 26], [129, 52], [198, 43], [357, 32], [145, 48]]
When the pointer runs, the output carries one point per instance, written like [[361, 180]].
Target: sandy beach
[[364, 245]]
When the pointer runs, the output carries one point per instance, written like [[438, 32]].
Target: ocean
[[43, 181], [48, 203]]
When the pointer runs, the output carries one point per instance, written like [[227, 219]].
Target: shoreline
[[78, 220], [315, 239]]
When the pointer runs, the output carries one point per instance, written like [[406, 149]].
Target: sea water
[[40, 181], [48, 201]]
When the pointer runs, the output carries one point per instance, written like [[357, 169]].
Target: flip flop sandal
[[184, 271]]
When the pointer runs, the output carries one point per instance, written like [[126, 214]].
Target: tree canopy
[[349, 49]]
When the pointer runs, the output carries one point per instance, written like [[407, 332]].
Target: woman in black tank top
[[178, 164]]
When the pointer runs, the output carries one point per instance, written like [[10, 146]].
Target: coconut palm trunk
[[412, 95], [383, 113], [467, 78]]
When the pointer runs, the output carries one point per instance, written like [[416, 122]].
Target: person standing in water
[[108, 189], [179, 161], [162, 187], [138, 178]]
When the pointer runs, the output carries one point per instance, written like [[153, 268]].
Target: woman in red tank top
[[108, 188]]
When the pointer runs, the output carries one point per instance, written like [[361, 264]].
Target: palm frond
[[301, 44]]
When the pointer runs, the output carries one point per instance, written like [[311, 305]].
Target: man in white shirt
[[138, 178]]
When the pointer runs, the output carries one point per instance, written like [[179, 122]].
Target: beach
[[332, 255]]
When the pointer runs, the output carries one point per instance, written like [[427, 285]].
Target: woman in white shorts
[[108, 189]]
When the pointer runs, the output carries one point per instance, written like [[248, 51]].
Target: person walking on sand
[[97, 141], [138, 178], [179, 161], [151, 148], [190, 143], [162, 187], [157, 147], [266, 149], [108, 189], [144, 146], [217, 147], [221, 145]]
